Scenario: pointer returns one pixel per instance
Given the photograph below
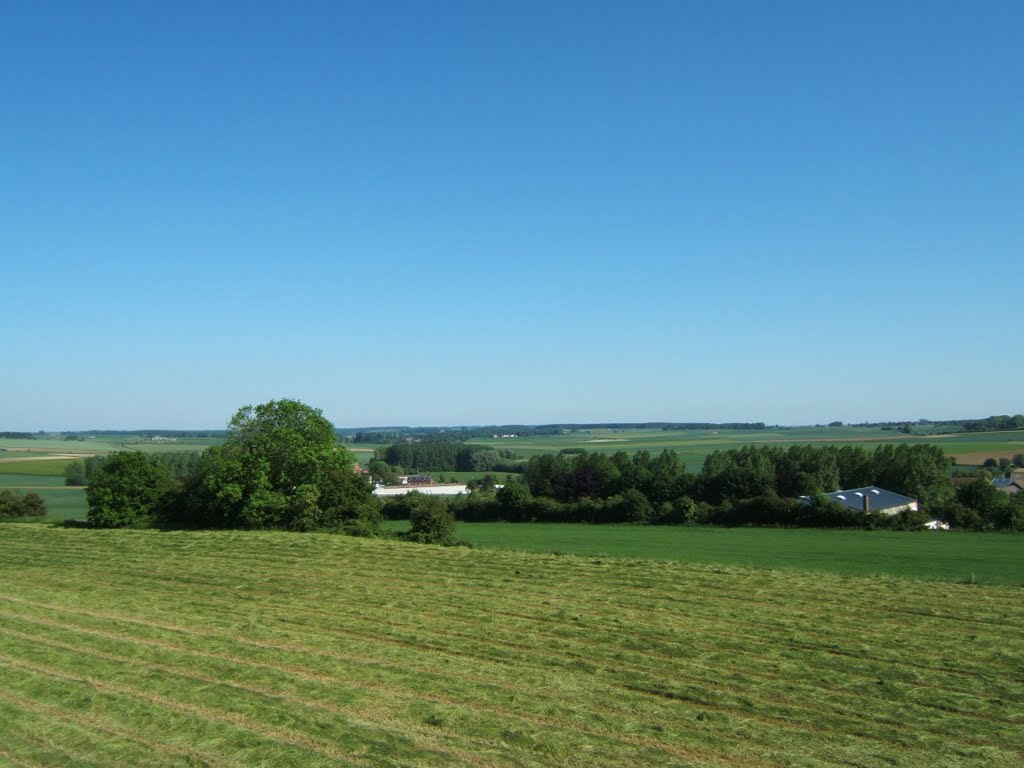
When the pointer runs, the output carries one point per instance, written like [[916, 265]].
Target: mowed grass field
[[127, 648], [951, 556]]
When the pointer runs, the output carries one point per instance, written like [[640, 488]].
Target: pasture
[[124, 648]]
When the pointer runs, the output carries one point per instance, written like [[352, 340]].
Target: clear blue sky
[[473, 213]]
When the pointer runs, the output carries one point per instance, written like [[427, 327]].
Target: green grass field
[[931, 555], [127, 648], [9, 479], [37, 467]]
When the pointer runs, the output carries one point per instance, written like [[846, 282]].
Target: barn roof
[[879, 498]]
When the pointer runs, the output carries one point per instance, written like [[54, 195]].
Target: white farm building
[[437, 489], [871, 499]]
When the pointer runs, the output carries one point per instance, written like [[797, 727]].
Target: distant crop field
[[51, 445], [147, 445], [103, 444], [9, 479], [990, 558], [127, 648], [363, 451], [979, 457], [53, 467], [693, 446]]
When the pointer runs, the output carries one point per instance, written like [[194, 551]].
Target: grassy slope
[[129, 648]]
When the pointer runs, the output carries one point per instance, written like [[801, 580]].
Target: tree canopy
[[281, 467], [126, 490]]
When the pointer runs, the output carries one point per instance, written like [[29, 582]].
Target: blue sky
[[474, 213]]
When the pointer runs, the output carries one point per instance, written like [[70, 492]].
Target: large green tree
[[280, 467], [126, 490]]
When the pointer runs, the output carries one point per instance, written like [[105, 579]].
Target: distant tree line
[[17, 436], [752, 485], [445, 456], [994, 423], [282, 467], [953, 426], [917, 470]]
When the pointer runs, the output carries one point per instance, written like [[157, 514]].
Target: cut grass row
[[232, 648]]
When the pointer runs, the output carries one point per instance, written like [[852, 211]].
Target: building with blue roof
[[871, 500]]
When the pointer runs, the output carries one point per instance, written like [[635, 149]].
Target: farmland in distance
[[693, 446]]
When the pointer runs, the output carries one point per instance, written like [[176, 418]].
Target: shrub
[[15, 504], [126, 491], [432, 521]]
